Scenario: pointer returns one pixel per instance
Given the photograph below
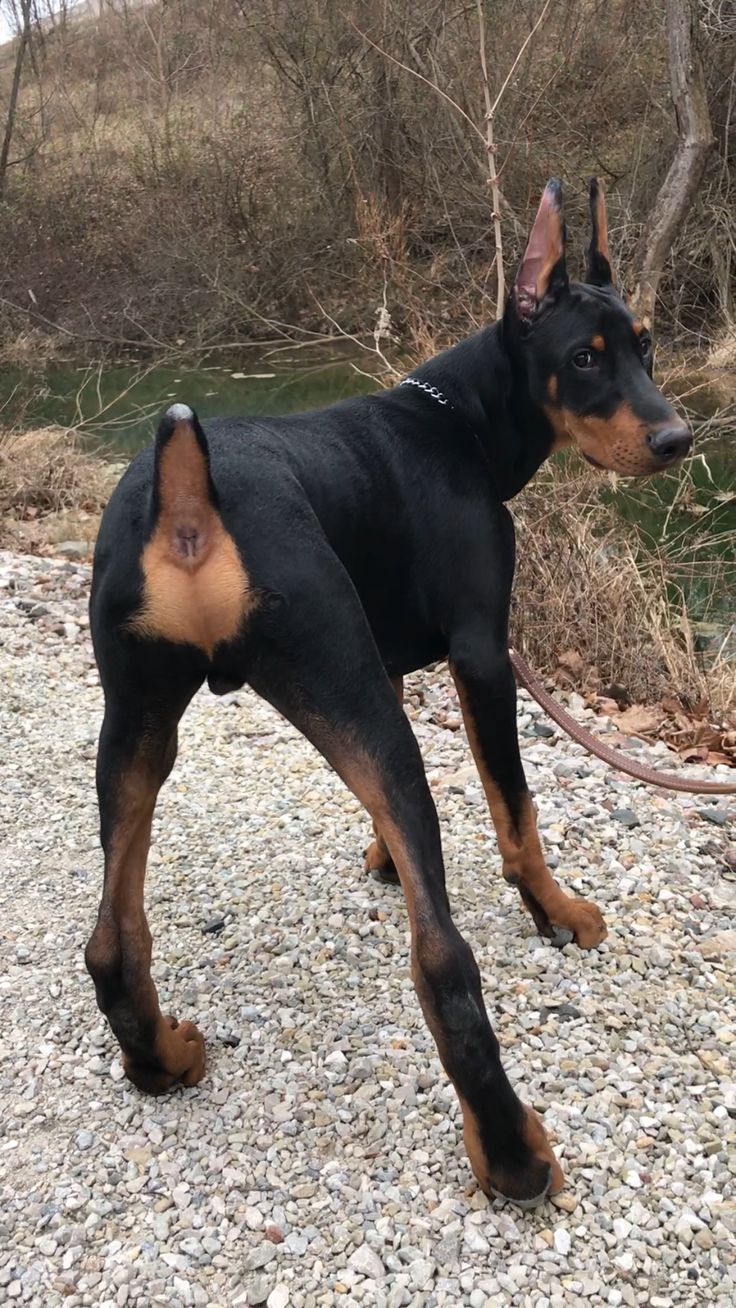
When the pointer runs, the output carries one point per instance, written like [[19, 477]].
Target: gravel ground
[[320, 1160]]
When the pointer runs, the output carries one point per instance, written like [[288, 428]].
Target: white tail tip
[[180, 413]]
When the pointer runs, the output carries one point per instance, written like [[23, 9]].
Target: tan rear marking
[[202, 607], [200, 598]]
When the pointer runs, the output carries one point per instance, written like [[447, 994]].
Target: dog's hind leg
[[338, 695], [157, 620], [378, 859], [136, 753]]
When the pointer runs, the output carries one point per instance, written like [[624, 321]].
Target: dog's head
[[587, 359]]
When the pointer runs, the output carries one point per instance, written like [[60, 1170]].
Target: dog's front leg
[[485, 684]]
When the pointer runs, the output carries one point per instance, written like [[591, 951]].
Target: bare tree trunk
[[680, 186], [20, 54], [373, 17], [390, 171]]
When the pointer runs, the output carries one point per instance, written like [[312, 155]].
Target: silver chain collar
[[435, 394], [432, 391]]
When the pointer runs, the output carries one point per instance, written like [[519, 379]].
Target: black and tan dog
[[320, 557]]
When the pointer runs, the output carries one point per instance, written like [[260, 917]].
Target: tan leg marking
[[119, 952], [536, 1138], [523, 859]]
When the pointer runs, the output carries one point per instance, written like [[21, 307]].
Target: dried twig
[[490, 114], [406, 68]]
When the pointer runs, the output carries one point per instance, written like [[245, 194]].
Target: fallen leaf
[[572, 662], [693, 753], [638, 720], [671, 706]]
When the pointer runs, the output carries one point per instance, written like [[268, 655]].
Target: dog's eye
[[645, 347], [584, 359]]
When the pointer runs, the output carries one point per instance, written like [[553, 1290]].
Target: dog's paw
[[178, 1055], [380, 864], [563, 919], [525, 1183], [579, 921]]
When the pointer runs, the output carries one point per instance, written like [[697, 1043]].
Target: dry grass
[[723, 351], [579, 586], [46, 473], [32, 348]]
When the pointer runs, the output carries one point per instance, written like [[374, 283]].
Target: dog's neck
[[487, 394]]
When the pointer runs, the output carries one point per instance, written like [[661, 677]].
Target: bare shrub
[[224, 165]]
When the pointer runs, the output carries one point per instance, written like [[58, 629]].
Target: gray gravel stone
[[366, 1262], [626, 816]]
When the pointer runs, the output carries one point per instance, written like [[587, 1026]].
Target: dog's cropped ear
[[598, 270], [542, 275]]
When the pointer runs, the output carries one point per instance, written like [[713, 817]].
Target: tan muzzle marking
[[617, 443]]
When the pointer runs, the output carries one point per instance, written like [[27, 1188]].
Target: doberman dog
[[320, 557]]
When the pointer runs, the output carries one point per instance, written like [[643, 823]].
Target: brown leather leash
[[613, 757]]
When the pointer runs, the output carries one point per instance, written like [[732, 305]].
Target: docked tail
[[184, 500], [195, 587]]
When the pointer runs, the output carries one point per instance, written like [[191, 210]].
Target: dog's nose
[[669, 444]]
